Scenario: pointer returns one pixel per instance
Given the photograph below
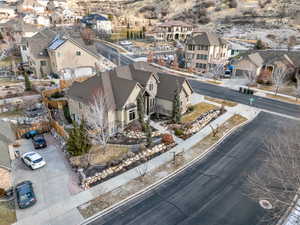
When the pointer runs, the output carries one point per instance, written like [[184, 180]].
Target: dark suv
[[25, 194], [39, 141]]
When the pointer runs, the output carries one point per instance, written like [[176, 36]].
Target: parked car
[[30, 134], [39, 141], [33, 160], [34, 112], [25, 194]]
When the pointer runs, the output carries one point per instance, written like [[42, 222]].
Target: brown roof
[[119, 83], [173, 23], [206, 38]]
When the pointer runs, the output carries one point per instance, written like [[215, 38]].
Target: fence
[[59, 129], [41, 127]]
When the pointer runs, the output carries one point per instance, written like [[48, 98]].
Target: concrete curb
[[165, 179]]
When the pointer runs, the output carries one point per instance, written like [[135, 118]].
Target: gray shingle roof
[[168, 84], [121, 81], [206, 38], [271, 55]]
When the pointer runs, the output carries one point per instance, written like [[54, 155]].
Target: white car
[[33, 160]]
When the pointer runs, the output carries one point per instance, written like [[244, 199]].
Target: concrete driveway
[[52, 184]]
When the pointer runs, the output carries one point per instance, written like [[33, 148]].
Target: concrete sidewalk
[[66, 212]]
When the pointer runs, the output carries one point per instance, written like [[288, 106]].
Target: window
[[78, 53], [201, 65], [191, 47], [80, 106], [150, 86], [59, 54], [24, 47], [43, 63], [201, 56], [132, 114]]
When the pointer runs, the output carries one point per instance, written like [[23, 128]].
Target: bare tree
[[278, 78], [97, 118], [251, 77], [216, 69], [275, 184], [142, 170], [291, 42]]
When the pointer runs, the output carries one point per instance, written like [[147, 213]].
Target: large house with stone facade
[[63, 53], [204, 50], [122, 87], [173, 30]]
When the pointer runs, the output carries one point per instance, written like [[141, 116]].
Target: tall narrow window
[[131, 114]]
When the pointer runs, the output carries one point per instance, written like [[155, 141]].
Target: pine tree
[[148, 131], [141, 111], [128, 35], [176, 113], [78, 142], [28, 86]]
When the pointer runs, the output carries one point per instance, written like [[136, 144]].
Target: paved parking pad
[[52, 184]]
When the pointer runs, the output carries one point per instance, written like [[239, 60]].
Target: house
[[97, 22], [173, 30], [7, 11], [263, 62], [122, 86], [7, 138], [53, 51], [204, 50]]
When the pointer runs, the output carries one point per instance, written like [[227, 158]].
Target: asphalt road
[[111, 54], [232, 95], [211, 192]]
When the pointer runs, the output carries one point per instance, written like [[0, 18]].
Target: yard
[[285, 99], [12, 114], [221, 101], [7, 213], [197, 111], [288, 89], [108, 199], [98, 156]]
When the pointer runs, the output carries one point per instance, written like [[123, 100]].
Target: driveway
[[52, 183]]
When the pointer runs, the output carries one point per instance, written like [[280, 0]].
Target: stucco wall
[[65, 57]]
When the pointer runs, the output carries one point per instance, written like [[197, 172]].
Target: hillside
[[211, 11]]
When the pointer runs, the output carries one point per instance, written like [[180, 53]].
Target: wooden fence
[[59, 129], [40, 127]]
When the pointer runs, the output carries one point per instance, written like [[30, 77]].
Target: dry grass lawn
[[98, 156], [285, 99], [108, 199], [213, 82], [9, 114], [221, 101], [7, 213], [222, 130], [199, 109], [111, 153], [288, 89]]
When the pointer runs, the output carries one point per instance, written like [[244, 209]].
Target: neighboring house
[[33, 5], [263, 62], [173, 30], [204, 50], [98, 22], [121, 88], [7, 11], [7, 138], [50, 51]]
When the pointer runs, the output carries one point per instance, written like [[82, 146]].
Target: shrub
[[2, 192], [232, 4], [179, 132], [167, 139], [191, 108]]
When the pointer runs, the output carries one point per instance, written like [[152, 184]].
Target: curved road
[[232, 95], [212, 191]]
